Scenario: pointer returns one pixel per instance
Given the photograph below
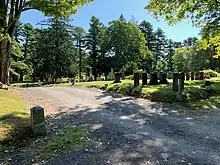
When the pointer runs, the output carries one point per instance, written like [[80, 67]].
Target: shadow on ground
[[129, 133]]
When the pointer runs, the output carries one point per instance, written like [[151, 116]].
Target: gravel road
[[132, 131]]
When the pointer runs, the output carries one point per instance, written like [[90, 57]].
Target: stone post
[[38, 123], [192, 76], [181, 81], [163, 78], [136, 79], [197, 76], [153, 79], [144, 78], [187, 76], [175, 82], [117, 77], [201, 75]]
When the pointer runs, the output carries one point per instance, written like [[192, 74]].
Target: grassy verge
[[71, 138], [194, 96], [14, 120]]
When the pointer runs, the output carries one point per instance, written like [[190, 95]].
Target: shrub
[[131, 77], [126, 89], [211, 73], [137, 91]]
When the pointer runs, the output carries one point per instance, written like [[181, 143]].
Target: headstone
[[153, 79], [123, 76], [163, 78], [38, 123], [175, 82], [4, 86], [136, 79], [201, 75], [187, 76], [181, 81], [144, 78], [90, 72], [197, 76], [192, 76], [117, 77]]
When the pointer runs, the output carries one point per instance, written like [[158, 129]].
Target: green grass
[[71, 138], [195, 96], [14, 119]]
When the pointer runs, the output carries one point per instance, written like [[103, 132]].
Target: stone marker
[[187, 76], [192, 76], [197, 76], [38, 123], [117, 77], [201, 75], [181, 81], [163, 78], [153, 79], [136, 79], [144, 78], [175, 82]]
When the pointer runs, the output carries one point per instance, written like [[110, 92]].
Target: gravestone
[[175, 82], [163, 78], [117, 77], [136, 79], [181, 81], [153, 79], [192, 76], [187, 76], [38, 123], [197, 76], [144, 78], [201, 75]]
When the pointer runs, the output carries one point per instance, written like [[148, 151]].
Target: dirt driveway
[[133, 131]]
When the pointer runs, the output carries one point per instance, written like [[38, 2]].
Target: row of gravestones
[[153, 78], [178, 79]]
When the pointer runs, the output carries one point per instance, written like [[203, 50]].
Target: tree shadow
[[130, 133], [15, 129]]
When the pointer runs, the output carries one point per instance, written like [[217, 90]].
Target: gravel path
[[132, 131]]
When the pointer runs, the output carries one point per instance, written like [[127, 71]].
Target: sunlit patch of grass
[[14, 119], [71, 138]]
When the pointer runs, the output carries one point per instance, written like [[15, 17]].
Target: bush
[[137, 91], [131, 77], [194, 94], [211, 73], [126, 89]]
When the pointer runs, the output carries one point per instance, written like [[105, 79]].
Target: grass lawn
[[14, 119], [195, 96]]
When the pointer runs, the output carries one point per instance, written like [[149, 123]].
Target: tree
[[93, 44], [181, 59], [199, 11], [203, 13], [170, 53], [127, 43], [79, 35], [147, 29], [190, 42], [10, 12], [54, 59], [160, 45]]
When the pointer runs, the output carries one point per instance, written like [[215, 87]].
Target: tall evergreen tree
[[160, 47], [94, 43]]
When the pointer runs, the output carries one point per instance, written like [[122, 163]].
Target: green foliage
[[127, 42], [211, 73]]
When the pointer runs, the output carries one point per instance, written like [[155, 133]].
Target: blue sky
[[107, 10]]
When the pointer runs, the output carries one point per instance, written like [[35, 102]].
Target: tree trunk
[[5, 47]]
